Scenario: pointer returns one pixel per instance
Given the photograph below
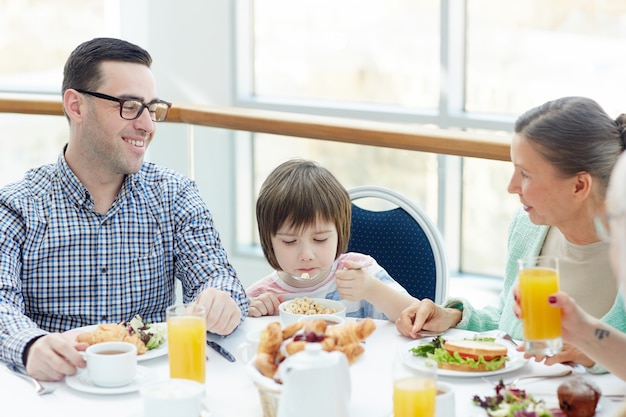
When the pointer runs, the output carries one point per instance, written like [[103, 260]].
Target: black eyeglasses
[[131, 109]]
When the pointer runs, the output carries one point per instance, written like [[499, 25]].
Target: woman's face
[[308, 250], [547, 196]]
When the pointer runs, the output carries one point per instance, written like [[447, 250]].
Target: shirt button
[[104, 270]]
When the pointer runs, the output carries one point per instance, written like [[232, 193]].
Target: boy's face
[[310, 250]]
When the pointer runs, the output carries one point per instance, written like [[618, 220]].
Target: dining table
[[230, 390]]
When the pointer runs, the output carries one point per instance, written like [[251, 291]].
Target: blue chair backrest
[[399, 244]]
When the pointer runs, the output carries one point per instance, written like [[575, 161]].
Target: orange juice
[[414, 397], [186, 343], [541, 321]]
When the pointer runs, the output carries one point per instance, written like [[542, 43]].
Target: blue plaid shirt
[[64, 265]]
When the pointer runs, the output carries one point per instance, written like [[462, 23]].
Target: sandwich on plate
[[468, 355]]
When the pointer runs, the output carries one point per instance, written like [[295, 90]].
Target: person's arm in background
[[202, 263]]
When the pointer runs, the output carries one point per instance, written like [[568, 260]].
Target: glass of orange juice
[[186, 341], [414, 389], [539, 278]]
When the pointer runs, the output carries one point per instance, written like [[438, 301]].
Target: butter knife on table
[[219, 349]]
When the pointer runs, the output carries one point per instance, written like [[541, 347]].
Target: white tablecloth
[[230, 391]]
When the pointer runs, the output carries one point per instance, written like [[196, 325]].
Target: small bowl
[[288, 317]]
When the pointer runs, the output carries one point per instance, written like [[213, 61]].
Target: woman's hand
[[575, 323], [426, 315], [568, 355]]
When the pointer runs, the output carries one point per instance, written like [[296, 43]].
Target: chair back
[[403, 240]]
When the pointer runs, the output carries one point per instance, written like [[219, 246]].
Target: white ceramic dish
[[516, 359], [288, 317], [81, 382], [150, 354], [331, 319]]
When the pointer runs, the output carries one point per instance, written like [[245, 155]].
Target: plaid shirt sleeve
[[64, 265], [201, 261]]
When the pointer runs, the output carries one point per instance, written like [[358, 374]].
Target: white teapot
[[315, 383]]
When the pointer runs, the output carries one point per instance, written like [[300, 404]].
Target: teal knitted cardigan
[[525, 239]]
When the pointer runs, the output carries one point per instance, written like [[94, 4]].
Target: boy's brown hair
[[301, 192]]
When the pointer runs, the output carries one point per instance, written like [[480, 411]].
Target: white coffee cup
[[330, 319], [173, 397], [247, 350], [111, 364], [444, 402]]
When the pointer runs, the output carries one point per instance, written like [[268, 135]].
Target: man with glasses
[[101, 236]]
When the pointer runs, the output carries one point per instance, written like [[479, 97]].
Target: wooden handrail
[[390, 135]]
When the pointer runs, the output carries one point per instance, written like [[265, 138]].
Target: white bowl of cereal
[[293, 310]]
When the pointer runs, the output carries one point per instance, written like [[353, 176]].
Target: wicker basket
[[269, 390], [269, 400]]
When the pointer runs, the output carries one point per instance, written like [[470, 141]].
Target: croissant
[[110, 332], [317, 326], [270, 339], [265, 364], [292, 329], [352, 332], [353, 351], [295, 347], [328, 344]]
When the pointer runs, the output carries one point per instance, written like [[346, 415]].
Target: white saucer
[[81, 382]]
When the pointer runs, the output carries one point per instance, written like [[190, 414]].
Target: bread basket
[[269, 390]]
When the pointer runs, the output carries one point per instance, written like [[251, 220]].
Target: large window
[[348, 51], [452, 64], [37, 37], [523, 52]]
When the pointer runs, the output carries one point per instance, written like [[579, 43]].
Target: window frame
[[450, 114]]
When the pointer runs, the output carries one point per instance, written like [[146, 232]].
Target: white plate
[[515, 362], [81, 382], [150, 354]]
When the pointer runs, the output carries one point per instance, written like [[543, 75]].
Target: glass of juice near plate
[[186, 341], [538, 278], [414, 390]]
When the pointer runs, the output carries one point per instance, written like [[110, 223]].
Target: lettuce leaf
[[442, 355]]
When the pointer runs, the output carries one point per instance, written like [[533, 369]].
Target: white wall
[[190, 43]]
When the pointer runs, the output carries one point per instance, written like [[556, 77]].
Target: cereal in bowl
[[304, 305]]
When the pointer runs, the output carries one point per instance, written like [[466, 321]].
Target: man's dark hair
[[82, 69]]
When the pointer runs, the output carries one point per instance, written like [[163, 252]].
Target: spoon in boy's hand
[[306, 276]]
